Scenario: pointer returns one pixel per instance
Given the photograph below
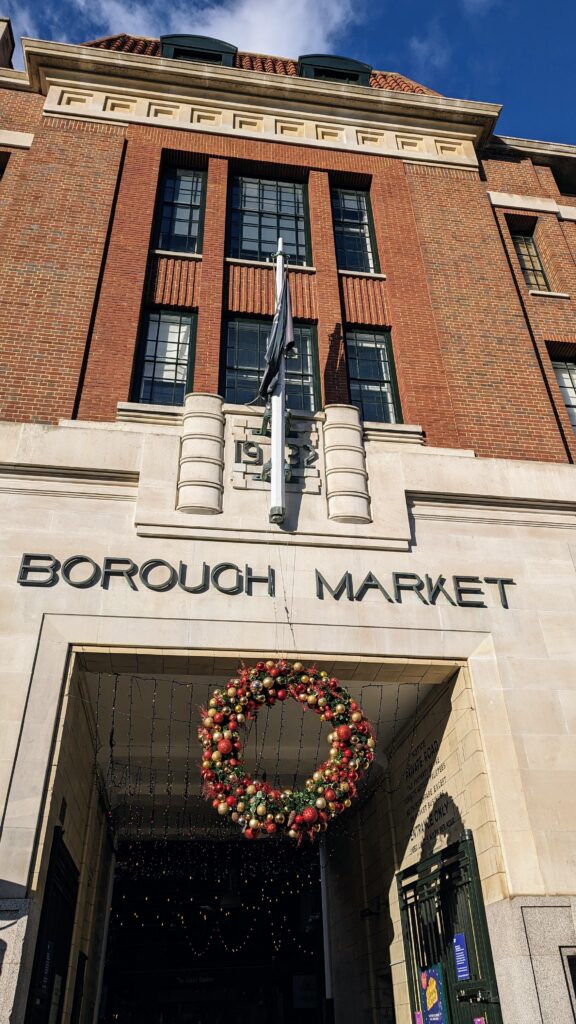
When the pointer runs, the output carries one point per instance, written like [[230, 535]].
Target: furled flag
[[280, 342]]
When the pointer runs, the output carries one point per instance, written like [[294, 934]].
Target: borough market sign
[[156, 574]]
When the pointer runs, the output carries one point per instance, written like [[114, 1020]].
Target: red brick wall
[[470, 370], [52, 237], [20, 111], [497, 391]]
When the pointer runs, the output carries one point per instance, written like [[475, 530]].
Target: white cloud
[[429, 51], [283, 27]]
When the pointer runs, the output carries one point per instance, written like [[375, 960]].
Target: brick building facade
[[432, 266]]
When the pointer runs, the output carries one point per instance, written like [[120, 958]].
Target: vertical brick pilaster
[[114, 339], [331, 352], [422, 383], [209, 333]]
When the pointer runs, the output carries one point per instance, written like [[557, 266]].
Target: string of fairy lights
[[146, 760]]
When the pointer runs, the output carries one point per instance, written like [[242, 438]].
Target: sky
[[519, 53]]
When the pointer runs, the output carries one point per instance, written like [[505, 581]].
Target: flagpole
[[278, 407]]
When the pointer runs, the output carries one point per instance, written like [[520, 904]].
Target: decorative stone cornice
[[96, 84]]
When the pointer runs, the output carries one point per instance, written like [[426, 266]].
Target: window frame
[[315, 363], [386, 333], [262, 258], [161, 202], [140, 361], [370, 227], [570, 366], [524, 233]]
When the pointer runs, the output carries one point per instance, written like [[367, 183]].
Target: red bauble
[[249, 833], [270, 827], [343, 732], [330, 794], [282, 694], [225, 746], [298, 819], [274, 672], [219, 718], [231, 801], [310, 815]]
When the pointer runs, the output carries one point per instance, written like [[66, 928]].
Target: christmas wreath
[[259, 808]]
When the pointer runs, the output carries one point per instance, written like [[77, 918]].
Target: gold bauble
[[226, 710], [228, 734], [339, 709], [267, 682], [269, 817], [212, 712], [312, 699], [260, 697], [297, 666], [238, 708], [231, 691], [254, 823], [216, 756], [322, 702], [212, 703], [243, 701], [333, 755], [371, 742], [240, 805], [270, 664], [320, 790], [223, 808], [279, 819], [261, 810], [293, 834], [206, 764], [320, 803], [241, 718], [217, 693], [207, 723], [344, 786], [302, 697], [357, 716], [323, 675], [317, 776], [251, 789], [347, 802], [217, 736], [304, 679]]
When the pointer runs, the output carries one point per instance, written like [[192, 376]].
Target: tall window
[[166, 358], [261, 211], [529, 260], [355, 248], [181, 210], [566, 377], [371, 375], [245, 350]]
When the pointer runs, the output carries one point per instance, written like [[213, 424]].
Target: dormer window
[[198, 48], [334, 69]]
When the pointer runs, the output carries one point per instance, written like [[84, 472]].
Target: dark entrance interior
[[206, 932]]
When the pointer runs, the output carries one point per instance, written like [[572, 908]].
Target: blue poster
[[432, 996], [461, 957]]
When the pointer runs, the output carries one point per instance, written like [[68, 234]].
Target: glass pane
[[369, 370]]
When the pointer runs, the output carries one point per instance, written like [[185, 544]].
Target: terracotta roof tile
[[123, 43]]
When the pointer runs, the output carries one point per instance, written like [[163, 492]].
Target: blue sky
[[515, 52]]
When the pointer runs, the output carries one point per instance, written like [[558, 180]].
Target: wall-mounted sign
[[83, 572], [432, 996], [461, 957]]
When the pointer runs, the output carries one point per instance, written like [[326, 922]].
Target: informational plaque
[[461, 957]]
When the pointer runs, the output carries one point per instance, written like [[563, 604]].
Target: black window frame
[[171, 171], [369, 234], [141, 360], [329, 67], [391, 382], [529, 259], [264, 325], [236, 252], [567, 365]]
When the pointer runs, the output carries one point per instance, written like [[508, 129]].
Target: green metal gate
[[445, 934]]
